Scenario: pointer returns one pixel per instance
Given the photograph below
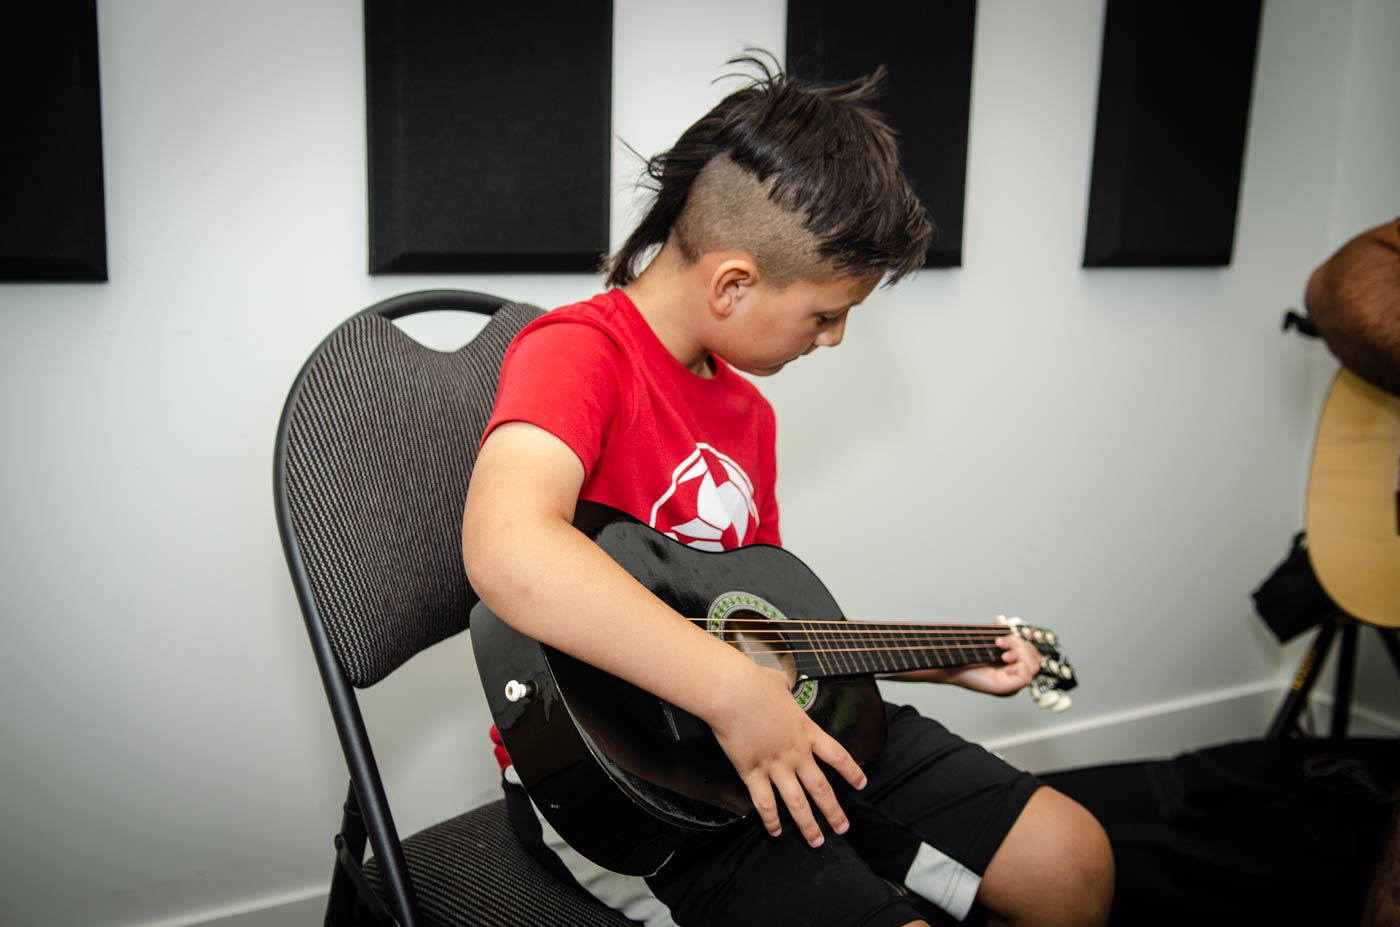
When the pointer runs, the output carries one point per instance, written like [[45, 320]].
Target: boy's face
[[769, 327]]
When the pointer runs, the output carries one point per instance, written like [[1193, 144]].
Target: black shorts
[[934, 811]]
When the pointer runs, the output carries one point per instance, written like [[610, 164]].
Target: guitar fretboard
[[826, 649]]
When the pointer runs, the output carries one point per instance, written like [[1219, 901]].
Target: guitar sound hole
[[757, 638]]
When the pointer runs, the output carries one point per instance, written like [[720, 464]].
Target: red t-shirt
[[691, 456]]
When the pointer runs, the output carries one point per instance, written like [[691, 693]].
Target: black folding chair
[[376, 445]]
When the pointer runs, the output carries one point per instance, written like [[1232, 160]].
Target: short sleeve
[[565, 377]]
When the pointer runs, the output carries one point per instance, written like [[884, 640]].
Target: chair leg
[[340, 906], [352, 902]]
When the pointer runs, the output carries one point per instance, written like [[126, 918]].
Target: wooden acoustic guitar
[[1353, 505], [624, 776]]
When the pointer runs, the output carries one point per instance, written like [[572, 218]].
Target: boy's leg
[[1054, 868], [743, 876], [957, 824]]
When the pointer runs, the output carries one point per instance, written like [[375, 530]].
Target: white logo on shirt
[[709, 505]]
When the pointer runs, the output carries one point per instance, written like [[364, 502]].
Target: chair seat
[[472, 870]]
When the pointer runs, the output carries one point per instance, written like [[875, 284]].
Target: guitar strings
[[862, 622], [889, 650], [900, 639], [867, 627], [783, 629]]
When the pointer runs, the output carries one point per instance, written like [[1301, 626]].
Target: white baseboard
[[1149, 732], [1167, 728]]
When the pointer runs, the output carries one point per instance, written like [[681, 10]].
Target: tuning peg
[[1050, 699]]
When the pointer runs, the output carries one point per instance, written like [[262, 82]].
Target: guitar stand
[[1285, 723]]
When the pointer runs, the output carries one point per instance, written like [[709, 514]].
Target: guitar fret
[[901, 656], [854, 655], [905, 649], [817, 651], [838, 657], [895, 656], [959, 643]]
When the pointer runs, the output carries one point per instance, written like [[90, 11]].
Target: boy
[[776, 213]]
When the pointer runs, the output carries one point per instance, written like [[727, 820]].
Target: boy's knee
[[1096, 872], [1054, 868]]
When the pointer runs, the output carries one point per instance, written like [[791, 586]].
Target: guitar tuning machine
[[516, 690], [1048, 698]]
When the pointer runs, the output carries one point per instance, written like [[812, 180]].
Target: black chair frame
[[366, 812]]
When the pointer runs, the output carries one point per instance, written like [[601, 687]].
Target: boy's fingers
[[801, 811], [830, 752], [761, 792], [822, 795]]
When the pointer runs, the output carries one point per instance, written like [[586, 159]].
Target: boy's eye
[[828, 319]]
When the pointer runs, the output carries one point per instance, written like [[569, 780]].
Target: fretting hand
[[1020, 661]]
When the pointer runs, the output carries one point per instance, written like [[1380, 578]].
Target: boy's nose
[[830, 337]]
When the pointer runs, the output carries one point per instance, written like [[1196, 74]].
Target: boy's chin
[[764, 371]]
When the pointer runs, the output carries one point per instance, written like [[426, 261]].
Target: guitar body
[[1353, 507], [621, 775]]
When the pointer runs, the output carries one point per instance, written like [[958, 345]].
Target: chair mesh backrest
[[380, 442]]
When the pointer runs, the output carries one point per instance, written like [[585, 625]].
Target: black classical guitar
[[621, 774]]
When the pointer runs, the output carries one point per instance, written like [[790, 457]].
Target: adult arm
[[1354, 298]]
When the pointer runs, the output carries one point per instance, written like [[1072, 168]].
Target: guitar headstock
[[1056, 675]]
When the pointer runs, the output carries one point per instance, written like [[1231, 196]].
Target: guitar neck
[[829, 649], [850, 648]]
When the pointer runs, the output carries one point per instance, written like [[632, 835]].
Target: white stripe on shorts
[[628, 894], [943, 880]]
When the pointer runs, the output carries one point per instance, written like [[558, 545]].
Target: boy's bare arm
[[527, 561], [1020, 661]]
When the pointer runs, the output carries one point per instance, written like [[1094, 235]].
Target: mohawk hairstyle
[[817, 153]]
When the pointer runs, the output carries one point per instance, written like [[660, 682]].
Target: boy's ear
[[730, 282]]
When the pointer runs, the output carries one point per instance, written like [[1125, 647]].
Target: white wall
[[1117, 454]]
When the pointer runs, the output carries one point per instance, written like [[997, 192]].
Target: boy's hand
[[1020, 663], [774, 746]]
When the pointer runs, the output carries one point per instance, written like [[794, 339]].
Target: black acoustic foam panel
[[927, 48], [1174, 92], [489, 135], [53, 224]]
